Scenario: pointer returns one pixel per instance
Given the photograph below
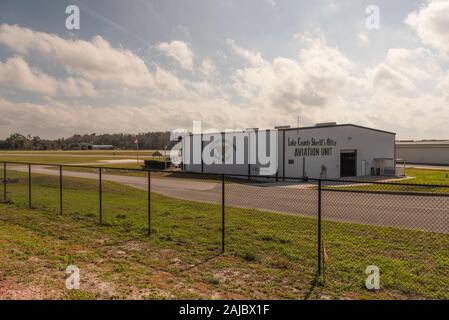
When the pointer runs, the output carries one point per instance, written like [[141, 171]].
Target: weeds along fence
[[337, 229]]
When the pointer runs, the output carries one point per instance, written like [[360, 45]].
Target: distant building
[[102, 147], [89, 146], [424, 151]]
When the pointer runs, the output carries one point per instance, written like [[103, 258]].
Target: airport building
[[326, 150], [433, 152]]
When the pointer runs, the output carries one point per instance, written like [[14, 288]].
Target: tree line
[[149, 140]]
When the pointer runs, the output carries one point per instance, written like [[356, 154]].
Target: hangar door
[[348, 163]]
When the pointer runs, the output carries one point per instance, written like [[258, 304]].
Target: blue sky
[[136, 66]]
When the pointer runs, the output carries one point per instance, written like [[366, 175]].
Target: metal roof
[[317, 127], [338, 125], [423, 143]]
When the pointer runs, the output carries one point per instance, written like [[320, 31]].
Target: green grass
[[56, 159], [73, 157], [424, 178], [427, 176], [268, 255], [66, 157], [127, 153]]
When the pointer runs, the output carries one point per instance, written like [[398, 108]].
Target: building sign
[[312, 147]]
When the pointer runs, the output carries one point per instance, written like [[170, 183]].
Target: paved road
[[430, 213]]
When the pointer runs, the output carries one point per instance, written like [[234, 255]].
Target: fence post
[[100, 186], [29, 185], [60, 189], [4, 182], [149, 202], [222, 213], [319, 227]]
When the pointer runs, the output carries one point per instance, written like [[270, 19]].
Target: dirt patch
[[132, 246], [12, 290], [90, 282]]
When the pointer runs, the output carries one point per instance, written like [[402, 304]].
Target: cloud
[[431, 23], [322, 84], [391, 79], [405, 92], [55, 119], [320, 74], [363, 38], [254, 58], [443, 86], [77, 87], [180, 51], [95, 60], [16, 73], [407, 71], [3, 122], [207, 67]]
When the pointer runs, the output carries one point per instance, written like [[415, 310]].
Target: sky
[[137, 66]]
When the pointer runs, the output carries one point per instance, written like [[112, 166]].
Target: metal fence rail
[[323, 226]]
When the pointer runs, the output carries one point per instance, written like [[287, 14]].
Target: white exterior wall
[[226, 168], [369, 144], [247, 140], [424, 154]]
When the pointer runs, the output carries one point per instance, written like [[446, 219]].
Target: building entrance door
[[348, 163]]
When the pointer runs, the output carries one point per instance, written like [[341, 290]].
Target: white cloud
[[16, 73], [56, 119], [391, 79], [180, 51], [405, 92], [326, 68], [407, 71], [207, 67], [443, 86], [419, 63], [320, 74], [254, 58], [77, 87], [431, 23], [363, 38], [324, 85], [96, 59]]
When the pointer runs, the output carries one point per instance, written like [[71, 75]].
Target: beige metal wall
[[424, 154]]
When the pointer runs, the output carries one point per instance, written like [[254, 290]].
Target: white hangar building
[[325, 150], [432, 152]]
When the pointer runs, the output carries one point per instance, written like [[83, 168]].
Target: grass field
[[120, 153], [74, 157], [419, 180], [427, 176], [268, 255]]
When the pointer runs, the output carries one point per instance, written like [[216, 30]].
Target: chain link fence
[[400, 229], [332, 230]]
